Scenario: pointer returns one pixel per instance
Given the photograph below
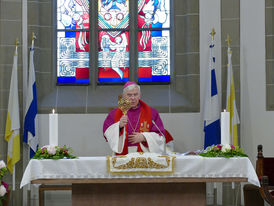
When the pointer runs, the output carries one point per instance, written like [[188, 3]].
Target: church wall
[[251, 79], [256, 122], [181, 96], [187, 57], [83, 132], [10, 24], [230, 25], [269, 38], [10, 30]]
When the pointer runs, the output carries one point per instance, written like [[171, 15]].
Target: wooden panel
[[135, 180], [133, 194]]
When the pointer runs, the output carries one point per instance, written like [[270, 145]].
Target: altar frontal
[[141, 164]]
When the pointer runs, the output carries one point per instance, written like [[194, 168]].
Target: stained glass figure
[[153, 14], [72, 41], [154, 41], [72, 14], [113, 14], [113, 21], [113, 57]]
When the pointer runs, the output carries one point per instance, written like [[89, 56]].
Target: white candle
[[53, 128], [225, 127]]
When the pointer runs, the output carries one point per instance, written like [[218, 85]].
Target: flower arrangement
[[220, 150], [4, 187], [54, 152]]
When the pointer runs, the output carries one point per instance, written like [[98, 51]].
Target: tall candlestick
[[53, 128], [225, 127]]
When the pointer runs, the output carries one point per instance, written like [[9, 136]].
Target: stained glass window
[[154, 41], [73, 41], [113, 22], [116, 38], [113, 14], [113, 57]]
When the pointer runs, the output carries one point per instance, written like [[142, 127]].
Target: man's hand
[[136, 137], [123, 121]]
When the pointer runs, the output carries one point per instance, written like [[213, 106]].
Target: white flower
[[226, 148], [3, 191], [51, 149], [2, 164], [44, 147]]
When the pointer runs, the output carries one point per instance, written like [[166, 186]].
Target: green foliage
[[2, 199], [226, 151], [54, 152], [3, 171]]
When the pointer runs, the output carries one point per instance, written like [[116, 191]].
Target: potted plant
[[54, 152], [4, 187], [221, 150]]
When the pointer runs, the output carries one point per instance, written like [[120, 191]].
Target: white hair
[[130, 87]]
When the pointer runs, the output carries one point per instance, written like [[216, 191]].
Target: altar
[[92, 184]]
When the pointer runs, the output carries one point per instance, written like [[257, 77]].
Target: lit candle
[[225, 127], [53, 128]]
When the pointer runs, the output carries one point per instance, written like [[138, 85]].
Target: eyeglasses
[[132, 95]]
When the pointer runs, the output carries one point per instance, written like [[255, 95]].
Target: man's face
[[133, 96]]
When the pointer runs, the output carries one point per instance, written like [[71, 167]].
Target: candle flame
[[53, 111]]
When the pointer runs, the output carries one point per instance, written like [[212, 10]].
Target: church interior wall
[[256, 121], [253, 76], [269, 38]]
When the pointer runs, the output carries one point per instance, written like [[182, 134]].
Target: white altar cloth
[[96, 167]]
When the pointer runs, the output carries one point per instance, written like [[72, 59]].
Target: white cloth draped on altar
[[96, 167]]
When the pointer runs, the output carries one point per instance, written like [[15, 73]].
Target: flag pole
[[13, 185], [212, 33], [230, 97], [228, 40], [13, 178], [33, 38], [13, 174], [211, 100], [32, 45]]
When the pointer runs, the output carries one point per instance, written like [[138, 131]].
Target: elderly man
[[140, 130]]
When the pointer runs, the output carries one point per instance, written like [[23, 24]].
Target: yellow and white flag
[[12, 133], [231, 101]]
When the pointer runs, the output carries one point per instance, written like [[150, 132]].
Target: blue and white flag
[[30, 123], [211, 105]]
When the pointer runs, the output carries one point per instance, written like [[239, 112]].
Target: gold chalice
[[123, 104]]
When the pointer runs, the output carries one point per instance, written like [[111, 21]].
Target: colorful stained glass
[[113, 57], [154, 56], [72, 14], [113, 14], [153, 14], [72, 57]]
